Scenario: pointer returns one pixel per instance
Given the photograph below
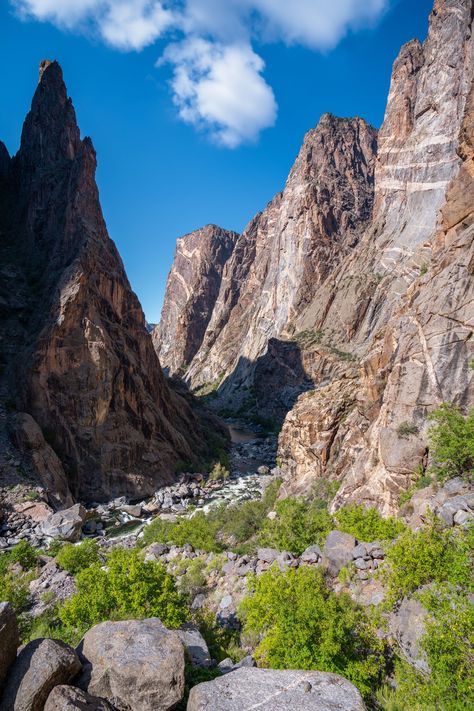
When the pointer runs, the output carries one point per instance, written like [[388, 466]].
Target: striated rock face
[[412, 327], [191, 292], [76, 355], [289, 249], [355, 283]]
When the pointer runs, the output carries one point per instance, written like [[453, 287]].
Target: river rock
[[275, 690], [68, 698], [9, 638], [138, 665], [41, 665]]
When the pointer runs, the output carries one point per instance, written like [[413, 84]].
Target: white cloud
[[221, 87], [124, 24], [217, 78]]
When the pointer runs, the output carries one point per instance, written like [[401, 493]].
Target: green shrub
[[219, 473], [430, 555], [451, 438], [209, 532], [24, 554], [449, 646], [199, 530], [128, 588], [406, 429], [241, 523], [193, 579], [366, 524], [14, 584], [297, 525], [76, 558], [303, 625]]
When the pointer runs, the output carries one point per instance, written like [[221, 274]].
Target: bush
[[199, 530], [241, 523], [451, 438], [238, 523], [305, 626], [219, 473], [128, 588], [406, 429], [429, 555], [298, 524], [366, 524], [14, 585], [449, 646], [24, 554], [76, 558]]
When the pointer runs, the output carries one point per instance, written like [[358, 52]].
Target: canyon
[[345, 309]]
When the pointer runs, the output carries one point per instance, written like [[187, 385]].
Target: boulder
[[268, 555], [407, 625], [40, 666], [9, 638], [65, 525], [68, 698], [311, 555], [196, 647], [338, 551], [138, 665], [275, 690]]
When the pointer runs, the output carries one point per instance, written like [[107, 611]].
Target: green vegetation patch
[[367, 524], [303, 625]]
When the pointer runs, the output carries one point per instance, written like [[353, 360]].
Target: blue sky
[[210, 133]]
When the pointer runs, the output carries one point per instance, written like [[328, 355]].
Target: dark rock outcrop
[[76, 356]]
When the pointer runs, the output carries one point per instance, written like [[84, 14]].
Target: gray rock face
[[138, 665], [9, 638], [65, 525], [407, 625], [271, 690], [40, 666], [338, 550], [68, 698], [191, 292]]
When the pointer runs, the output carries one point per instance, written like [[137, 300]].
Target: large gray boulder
[[407, 625], [40, 666], [9, 638], [68, 698], [276, 690], [338, 551], [65, 525], [138, 665]]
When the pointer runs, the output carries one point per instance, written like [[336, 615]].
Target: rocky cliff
[[289, 249], [191, 293], [354, 284], [94, 415]]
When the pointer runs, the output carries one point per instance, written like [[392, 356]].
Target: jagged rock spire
[[50, 132]]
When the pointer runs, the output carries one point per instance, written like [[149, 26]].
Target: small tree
[[451, 438]]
